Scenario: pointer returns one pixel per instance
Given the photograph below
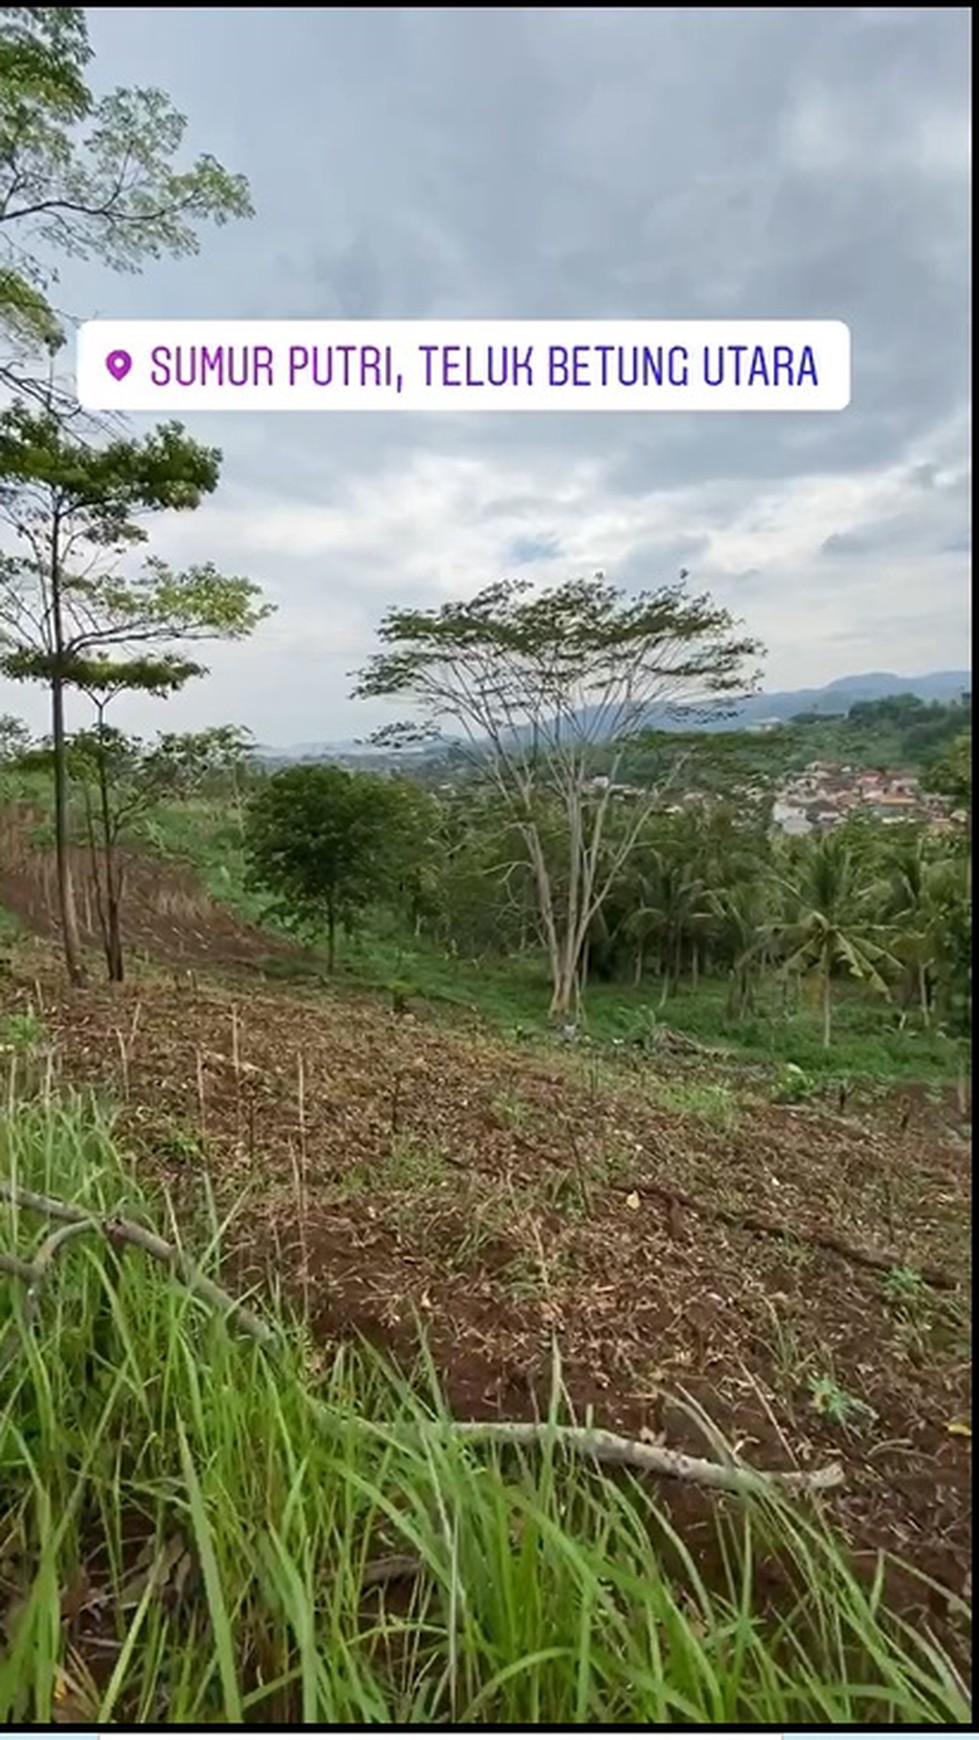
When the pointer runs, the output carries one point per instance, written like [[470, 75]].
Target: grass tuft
[[194, 1534]]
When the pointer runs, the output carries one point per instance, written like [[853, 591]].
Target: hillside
[[836, 698], [485, 1219], [658, 1220], [833, 700], [700, 1246]]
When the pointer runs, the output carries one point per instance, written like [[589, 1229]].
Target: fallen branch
[[608, 1447], [393, 1569], [668, 1039], [126, 1232], [49, 1206], [771, 1228], [15, 1266], [45, 1255]]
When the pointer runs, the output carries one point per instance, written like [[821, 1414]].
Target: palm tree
[[916, 894], [673, 908], [828, 921], [950, 927], [741, 911]]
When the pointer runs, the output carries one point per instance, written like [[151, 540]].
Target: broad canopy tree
[[531, 682], [76, 512]]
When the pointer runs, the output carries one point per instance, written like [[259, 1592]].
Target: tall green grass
[[193, 1532]]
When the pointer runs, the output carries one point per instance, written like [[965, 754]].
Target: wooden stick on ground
[[771, 1228], [608, 1447], [16, 1266], [45, 1255]]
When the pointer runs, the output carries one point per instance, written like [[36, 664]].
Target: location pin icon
[[118, 363]]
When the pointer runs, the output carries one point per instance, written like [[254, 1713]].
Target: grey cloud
[[959, 486], [583, 162], [846, 544], [938, 528], [659, 562]]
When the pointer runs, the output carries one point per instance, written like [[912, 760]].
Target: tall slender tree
[[76, 511]]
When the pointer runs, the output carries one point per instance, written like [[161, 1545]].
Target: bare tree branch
[[126, 1232], [608, 1447]]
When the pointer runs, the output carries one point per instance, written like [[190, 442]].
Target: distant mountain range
[[833, 699]]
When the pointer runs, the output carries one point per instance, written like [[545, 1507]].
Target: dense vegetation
[[898, 731], [711, 919]]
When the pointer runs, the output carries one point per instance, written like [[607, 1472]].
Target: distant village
[[823, 795]]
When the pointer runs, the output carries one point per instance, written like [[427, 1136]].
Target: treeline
[[523, 852], [897, 731], [708, 891]]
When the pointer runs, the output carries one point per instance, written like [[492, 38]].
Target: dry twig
[[608, 1447]]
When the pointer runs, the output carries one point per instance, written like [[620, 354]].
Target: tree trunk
[[93, 853], [923, 994], [66, 892], [114, 957], [827, 1009], [114, 873], [113, 876], [566, 971], [331, 937], [564, 994], [640, 965]]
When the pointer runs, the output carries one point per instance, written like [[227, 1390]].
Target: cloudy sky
[[575, 163]]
